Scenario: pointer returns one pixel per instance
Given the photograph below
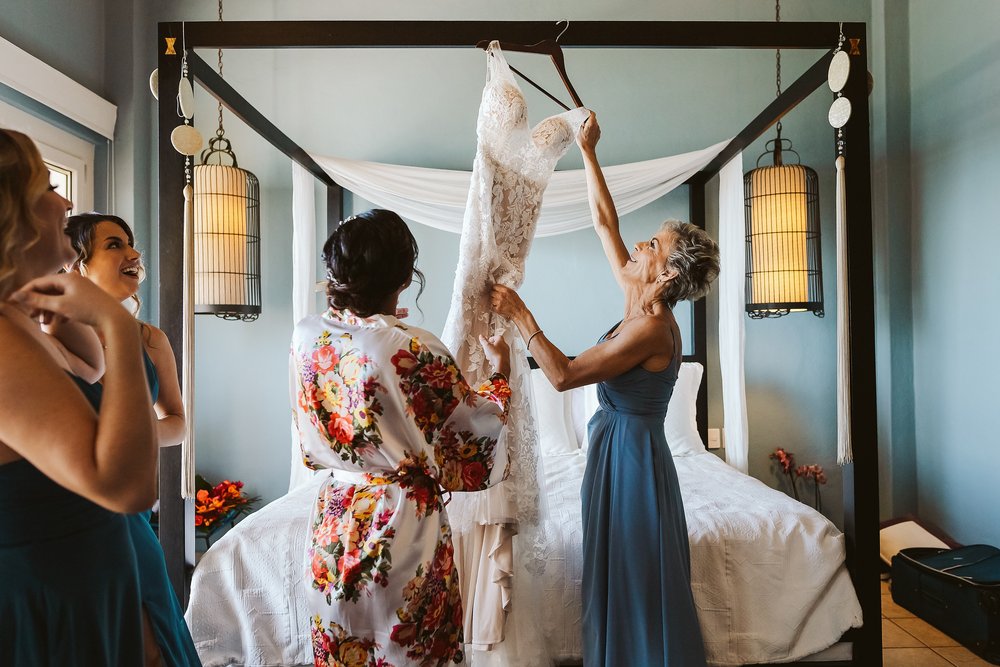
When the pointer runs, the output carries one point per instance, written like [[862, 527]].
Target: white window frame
[[43, 83], [59, 147]]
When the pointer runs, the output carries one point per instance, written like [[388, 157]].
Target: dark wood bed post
[[173, 526], [697, 216], [860, 478]]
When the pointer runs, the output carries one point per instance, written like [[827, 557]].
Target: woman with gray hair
[[637, 602]]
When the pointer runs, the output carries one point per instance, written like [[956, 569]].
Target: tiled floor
[[908, 641]]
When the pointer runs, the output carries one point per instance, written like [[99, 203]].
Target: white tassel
[[187, 372], [845, 453]]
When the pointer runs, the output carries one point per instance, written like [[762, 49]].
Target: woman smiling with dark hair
[[106, 255], [385, 409]]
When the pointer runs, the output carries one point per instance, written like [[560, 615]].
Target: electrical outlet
[[715, 438]]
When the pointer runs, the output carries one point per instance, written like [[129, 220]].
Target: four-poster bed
[[860, 478]]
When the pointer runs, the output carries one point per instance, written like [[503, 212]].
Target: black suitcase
[[956, 590]]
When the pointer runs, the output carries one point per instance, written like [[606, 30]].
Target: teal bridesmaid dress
[[74, 577], [158, 597], [69, 578]]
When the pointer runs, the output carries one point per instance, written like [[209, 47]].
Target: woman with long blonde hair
[[68, 470]]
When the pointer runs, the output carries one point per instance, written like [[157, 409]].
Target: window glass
[[63, 179]]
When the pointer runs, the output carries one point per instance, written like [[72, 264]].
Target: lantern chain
[[221, 131], [777, 59]]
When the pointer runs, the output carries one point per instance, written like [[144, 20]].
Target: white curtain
[[303, 284], [437, 197], [732, 290]]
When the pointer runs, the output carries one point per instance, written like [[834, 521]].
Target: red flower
[[309, 398], [341, 429], [319, 568], [405, 362], [435, 612], [473, 475], [443, 561], [326, 358], [439, 374], [403, 634], [815, 471], [786, 459], [422, 494], [350, 566], [423, 404]]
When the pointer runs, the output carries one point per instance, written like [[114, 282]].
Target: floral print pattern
[[350, 541], [333, 647], [430, 624], [338, 390], [385, 407], [432, 385]]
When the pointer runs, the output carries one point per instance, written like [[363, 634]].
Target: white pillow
[[552, 417], [681, 423], [904, 535], [583, 405]]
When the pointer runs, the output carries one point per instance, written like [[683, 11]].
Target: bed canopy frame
[[860, 478]]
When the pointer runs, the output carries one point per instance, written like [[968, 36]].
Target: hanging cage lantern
[[783, 260], [226, 235], [781, 202]]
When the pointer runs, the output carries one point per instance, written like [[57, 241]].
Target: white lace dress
[[512, 168]]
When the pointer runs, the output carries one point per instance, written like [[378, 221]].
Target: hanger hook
[[563, 30]]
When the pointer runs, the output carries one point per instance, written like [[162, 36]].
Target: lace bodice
[[520, 159], [512, 168]]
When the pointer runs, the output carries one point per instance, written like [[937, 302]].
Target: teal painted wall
[[955, 141], [67, 36], [373, 104], [890, 117]]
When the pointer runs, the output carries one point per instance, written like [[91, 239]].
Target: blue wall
[[372, 104], [955, 141]]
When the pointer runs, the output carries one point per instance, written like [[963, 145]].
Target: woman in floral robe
[[384, 407]]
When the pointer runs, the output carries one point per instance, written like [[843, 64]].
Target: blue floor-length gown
[[637, 602]]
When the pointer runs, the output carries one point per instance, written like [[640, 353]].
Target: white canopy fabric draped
[[304, 253], [437, 197], [732, 291]]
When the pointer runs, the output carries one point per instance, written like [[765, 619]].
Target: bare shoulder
[[156, 343], [154, 338], [655, 334], [650, 329]]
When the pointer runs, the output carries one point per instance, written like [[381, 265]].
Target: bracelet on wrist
[[527, 343]]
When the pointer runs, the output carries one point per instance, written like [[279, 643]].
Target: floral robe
[[384, 407]]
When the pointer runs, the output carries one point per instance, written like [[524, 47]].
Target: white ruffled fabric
[[437, 197]]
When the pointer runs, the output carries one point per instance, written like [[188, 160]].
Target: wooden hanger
[[548, 47]]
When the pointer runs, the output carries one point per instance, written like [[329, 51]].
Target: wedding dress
[[512, 168]]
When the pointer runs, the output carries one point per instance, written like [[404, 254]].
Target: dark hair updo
[[368, 257]]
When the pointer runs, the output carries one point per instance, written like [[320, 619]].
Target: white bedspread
[[767, 573]]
